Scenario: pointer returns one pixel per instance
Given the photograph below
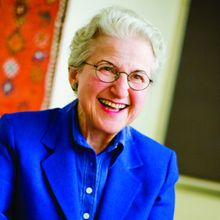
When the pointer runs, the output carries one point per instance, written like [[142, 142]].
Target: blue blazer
[[38, 177]]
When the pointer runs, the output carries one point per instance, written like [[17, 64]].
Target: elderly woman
[[84, 161]]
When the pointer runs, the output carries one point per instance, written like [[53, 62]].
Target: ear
[[73, 75]]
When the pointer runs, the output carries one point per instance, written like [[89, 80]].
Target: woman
[[84, 161]]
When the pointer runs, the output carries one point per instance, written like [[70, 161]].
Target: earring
[[74, 86]]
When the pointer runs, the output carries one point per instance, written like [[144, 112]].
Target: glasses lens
[[138, 80], [106, 72]]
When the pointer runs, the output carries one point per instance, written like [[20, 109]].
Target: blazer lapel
[[122, 187], [59, 166]]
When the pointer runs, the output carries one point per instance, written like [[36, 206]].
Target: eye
[[106, 69], [137, 77]]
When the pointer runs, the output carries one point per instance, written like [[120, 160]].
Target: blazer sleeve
[[164, 205], [7, 167]]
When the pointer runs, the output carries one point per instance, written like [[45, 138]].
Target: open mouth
[[112, 105]]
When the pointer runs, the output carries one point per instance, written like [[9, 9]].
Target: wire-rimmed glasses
[[108, 73]]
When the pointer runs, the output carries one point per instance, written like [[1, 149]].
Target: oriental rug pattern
[[30, 33]]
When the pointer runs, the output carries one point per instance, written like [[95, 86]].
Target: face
[[108, 107]]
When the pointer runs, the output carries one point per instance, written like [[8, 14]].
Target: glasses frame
[[119, 74]]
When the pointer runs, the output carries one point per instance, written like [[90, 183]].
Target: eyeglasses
[[108, 73]]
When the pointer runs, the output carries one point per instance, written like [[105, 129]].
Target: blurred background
[[184, 105]]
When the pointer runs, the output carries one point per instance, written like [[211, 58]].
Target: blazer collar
[[121, 181], [59, 165]]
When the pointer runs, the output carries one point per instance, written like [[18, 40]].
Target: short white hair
[[116, 22]]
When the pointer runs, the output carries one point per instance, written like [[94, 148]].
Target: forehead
[[130, 53]]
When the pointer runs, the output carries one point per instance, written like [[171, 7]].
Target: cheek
[[90, 87], [139, 100]]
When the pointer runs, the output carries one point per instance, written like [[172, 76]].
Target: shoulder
[[27, 125], [32, 119], [21, 130], [152, 154], [22, 133], [156, 160], [145, 144], [23, 121]]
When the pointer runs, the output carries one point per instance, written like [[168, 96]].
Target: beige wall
[[170, 16], [197, 199]]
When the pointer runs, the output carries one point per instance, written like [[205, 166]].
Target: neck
[[97, 139]]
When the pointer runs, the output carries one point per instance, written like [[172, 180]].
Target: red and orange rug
[[30, 33]]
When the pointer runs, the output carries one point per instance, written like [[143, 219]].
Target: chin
[[112, 130]]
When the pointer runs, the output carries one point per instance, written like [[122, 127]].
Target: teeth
[[111, 104]]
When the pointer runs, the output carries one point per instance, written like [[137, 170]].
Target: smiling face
[[109, 107]]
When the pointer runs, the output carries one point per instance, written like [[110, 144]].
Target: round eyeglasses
[[108, 73]]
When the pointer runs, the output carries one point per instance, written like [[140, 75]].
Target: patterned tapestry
[[30, 33]]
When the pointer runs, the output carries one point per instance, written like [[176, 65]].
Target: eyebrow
[[137, 70], [106, 62]]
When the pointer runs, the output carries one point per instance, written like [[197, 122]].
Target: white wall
[[170, 17]]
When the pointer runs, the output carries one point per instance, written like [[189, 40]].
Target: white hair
[[115, 22]]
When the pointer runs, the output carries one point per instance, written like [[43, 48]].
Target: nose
[[120, 87]]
